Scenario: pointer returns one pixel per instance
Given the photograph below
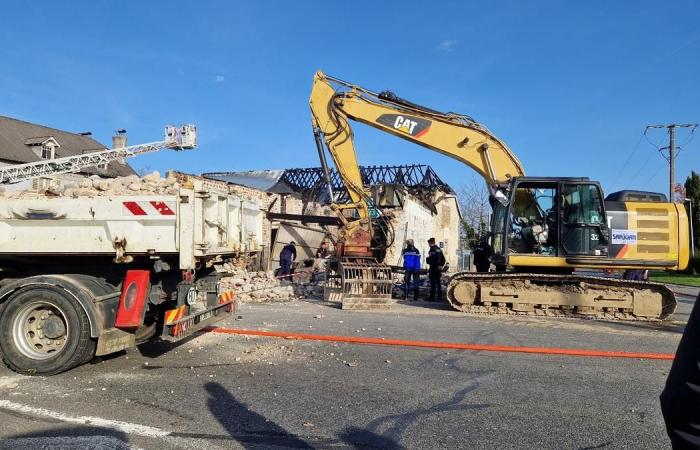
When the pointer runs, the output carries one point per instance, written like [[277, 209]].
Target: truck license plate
[[204, 316]]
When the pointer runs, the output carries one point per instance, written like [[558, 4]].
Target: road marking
[[446, 345], [126, 427]]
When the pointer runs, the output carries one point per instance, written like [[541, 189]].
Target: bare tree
[[476, 210]]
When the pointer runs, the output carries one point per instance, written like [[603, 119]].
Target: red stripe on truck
[[134, 208], [162, 208]]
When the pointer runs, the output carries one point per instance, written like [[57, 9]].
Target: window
[[497, 224], [584, 230], [581, 204], [47, 151], [533, 222]]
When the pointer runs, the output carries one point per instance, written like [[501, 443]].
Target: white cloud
[[447, 45], [219, 79]]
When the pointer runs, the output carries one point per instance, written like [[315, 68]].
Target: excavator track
[[560, 296]]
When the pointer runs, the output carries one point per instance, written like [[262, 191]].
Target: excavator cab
[[538, 218]]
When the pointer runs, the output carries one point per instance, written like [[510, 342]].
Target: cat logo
[[406, 125], [413, 126]]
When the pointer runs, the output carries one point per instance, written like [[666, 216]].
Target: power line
[[642, 168], [629, 158], [648, 183], [672, 150]]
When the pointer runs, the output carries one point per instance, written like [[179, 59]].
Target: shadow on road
[[159, 347], [253, 430], [66, 438], [397, 424], [247, 427]]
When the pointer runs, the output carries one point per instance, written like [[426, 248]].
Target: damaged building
[[418, 203]]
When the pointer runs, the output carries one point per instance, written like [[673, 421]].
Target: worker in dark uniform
[[680, 400], [287, 257], [411, 266], [482, 255], [436, 262]]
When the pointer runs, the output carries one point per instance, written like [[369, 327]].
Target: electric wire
[[656, 146], [629, 158]]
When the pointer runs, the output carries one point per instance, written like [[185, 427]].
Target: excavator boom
[[454, 135]]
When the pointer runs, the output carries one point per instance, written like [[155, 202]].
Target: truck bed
[[196, 223]]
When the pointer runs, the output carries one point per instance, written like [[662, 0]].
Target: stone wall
[[416, 221]]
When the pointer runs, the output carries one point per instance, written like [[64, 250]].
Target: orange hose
[[445, 345]]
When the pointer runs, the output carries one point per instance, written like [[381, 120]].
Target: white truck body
[[196, 223]]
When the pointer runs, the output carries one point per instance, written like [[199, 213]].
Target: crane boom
[[183, 138]]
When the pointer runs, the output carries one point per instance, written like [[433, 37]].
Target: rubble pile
[[94, 186], [257, 287]]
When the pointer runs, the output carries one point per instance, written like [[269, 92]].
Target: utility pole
[[672, 151]]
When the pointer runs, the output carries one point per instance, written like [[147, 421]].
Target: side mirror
[[502, 198]]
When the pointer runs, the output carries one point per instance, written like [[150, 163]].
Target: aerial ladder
[[175, 138], [542, 229]]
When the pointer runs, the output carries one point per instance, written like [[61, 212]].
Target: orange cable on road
[[443, 345]]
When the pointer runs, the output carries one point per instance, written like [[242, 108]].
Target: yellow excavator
[[542, 228]]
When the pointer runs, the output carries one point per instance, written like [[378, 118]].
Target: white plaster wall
[[415, 221]]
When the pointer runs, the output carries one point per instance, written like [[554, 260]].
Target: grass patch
[[675, 278]]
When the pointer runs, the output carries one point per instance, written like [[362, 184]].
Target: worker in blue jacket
[[411, 266]]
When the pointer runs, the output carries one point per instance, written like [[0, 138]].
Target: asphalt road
[[229, 391]]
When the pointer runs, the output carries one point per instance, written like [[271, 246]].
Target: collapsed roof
[[310, 183]]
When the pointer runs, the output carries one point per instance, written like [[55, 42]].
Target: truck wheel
[[44, 331]]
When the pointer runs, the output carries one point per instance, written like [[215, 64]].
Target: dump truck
[[87, 276]]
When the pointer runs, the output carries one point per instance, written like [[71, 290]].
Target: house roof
[[17, 138]]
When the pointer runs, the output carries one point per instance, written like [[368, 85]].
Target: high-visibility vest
[[411, 260]]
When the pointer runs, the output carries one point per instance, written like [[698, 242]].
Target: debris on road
[[257, 287]]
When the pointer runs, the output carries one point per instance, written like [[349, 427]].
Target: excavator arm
[[335, 102]]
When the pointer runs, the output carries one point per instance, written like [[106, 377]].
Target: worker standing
[[482, 255], [436, 262], [411, 266], [320, 262], [322, 251], [287, 257]]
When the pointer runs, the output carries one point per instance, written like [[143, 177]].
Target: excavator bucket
[[360, 283]]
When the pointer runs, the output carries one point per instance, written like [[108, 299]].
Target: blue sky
[[568, 85]]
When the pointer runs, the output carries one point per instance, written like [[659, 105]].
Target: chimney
[[119, 139]]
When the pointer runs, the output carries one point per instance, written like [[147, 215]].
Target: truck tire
[[44, 331]]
